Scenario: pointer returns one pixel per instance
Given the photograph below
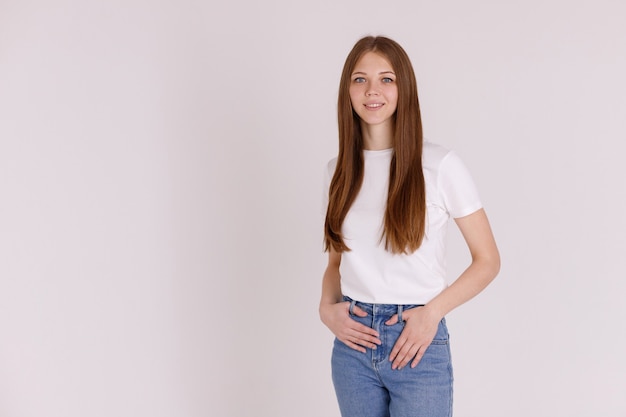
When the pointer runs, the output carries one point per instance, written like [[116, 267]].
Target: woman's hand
[[352, 333], [420, 328]]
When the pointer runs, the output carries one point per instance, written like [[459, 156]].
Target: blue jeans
[[366, 386]]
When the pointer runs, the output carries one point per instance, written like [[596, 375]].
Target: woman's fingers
[[401, 350], [409, 352], [393, 320], [418, 357], [419, 331], [357, 311], [361, 335], [354, 346], [349, 331]]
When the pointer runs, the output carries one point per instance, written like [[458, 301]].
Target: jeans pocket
[[442, 337]]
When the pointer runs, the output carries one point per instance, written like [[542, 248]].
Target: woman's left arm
[[421, 323]]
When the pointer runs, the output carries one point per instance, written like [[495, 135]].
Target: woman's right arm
[[335, 314]]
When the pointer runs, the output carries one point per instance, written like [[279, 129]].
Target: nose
[[372, 90]]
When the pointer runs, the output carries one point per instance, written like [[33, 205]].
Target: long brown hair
[[405, 214]]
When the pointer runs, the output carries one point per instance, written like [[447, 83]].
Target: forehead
[[372, 62]]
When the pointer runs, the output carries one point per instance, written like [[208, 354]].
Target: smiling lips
[[373, 106]]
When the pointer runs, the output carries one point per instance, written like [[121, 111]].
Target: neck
[[377, 137]]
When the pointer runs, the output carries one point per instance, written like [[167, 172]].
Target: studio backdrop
[[161, 168]]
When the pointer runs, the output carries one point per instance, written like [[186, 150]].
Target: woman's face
[[373, 89]]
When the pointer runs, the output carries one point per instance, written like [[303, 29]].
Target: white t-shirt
[[371, 274]]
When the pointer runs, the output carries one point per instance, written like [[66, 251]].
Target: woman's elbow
[[494, 264]]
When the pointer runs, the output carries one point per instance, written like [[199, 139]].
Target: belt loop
[[399, 313], [352, 304]]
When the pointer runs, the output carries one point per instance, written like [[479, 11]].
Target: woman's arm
[[421, 323], [335, 314], [483, 269], [331, 286]]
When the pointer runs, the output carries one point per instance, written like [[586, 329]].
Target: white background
[[160, 187]]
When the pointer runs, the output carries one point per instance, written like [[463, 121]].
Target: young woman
[[391, 194]]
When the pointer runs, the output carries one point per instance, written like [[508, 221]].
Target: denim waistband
[[389, 309]]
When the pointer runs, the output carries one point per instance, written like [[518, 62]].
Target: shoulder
[[330, 171], [450, 181], [433, 155], [332, 164], [440, 162]]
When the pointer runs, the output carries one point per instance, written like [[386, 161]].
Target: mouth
[[374, 106]]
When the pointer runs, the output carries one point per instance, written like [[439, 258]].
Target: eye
[[359, 80], [387, 80]]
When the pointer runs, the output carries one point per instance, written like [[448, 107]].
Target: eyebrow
[[380, 73]]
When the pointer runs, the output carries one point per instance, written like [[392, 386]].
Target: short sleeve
[[457, 188], [328, 175]]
